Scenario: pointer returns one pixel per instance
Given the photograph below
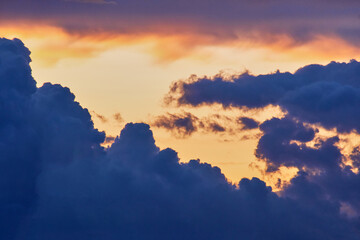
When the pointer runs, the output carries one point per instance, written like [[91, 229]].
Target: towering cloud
[[57, 182]]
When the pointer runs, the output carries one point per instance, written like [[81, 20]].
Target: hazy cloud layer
[[57, 182], [290, 22]]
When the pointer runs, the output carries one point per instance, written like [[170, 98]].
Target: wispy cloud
[[185, 124]]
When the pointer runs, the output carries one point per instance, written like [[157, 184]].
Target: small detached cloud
[[102, 118], [185, 124], [291, 24], [118, 118], [248, 123]]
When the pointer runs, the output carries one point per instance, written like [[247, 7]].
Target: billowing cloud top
[[57, 182]]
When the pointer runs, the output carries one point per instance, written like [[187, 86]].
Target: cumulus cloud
[[57, 182], [118, 118], [325, 95], [314, 96]]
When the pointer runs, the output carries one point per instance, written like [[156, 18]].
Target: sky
[[175, 119]]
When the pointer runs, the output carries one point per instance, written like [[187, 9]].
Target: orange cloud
[[50, 44]]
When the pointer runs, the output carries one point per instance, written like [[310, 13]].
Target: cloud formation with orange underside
[[299, 20], [177, 29], [51, 44]]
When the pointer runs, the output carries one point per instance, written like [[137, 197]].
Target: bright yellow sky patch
[[131, 74]]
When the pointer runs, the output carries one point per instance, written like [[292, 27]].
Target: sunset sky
[[122, 56], [264, 89]]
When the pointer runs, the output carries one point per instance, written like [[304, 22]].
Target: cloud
[[248, 123], [282, 24], [325, 95], [215, 127], [315, 96], [109, 139], [118, 118], [185, 124], [102, 118], [57, 182]]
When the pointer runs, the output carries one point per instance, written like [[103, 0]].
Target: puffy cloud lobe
[[326, 95], [277, 149], [246, 90], [57, 182], [323, 181], [37, 126], [19, 162]]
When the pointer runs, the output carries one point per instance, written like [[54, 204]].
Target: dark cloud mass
[[57, 182], [248, 123], [185, 124], [326, 95]]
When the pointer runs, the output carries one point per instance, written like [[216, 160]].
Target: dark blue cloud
[[276, 147], [57, 182], [248, 123], [184, 124], [326, 95]]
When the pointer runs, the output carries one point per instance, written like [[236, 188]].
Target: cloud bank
[[57, 182], [325, 95], [290, 22]]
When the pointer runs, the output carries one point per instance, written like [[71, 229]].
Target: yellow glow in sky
[[131, 74]]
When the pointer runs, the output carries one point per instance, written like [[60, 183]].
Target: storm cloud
[[57, 182]]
